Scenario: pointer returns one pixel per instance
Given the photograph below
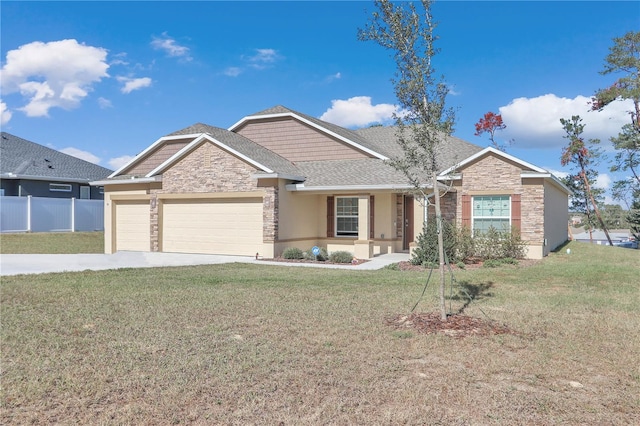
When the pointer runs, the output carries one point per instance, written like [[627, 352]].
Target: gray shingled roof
[[244, 146], [369, 171], [25, 158], [335, 173], [451, 150]]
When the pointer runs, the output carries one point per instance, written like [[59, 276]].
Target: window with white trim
[[347, 216], [491, 211], [60, 187]]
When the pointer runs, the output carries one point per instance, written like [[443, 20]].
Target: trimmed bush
[[340, 257], [292, 253], [323, 256]]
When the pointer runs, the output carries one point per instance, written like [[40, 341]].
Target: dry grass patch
[[256, 344]]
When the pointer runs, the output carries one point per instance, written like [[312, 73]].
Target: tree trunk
[[595, 207], [436, 196]]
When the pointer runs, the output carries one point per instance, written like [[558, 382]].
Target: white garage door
[[224, 226], [133, 231]]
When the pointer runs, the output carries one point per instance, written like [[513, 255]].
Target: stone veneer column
[[154, 221], [270, 215]]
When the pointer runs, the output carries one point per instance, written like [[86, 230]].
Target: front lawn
[[52, 243], [257, 344]]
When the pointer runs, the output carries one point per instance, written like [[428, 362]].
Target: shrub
[[491, 263], [292, 253], [465, 246], [340, 257], [426, 250], [512, 245], [392, 267], [461, 245], [323, 256]]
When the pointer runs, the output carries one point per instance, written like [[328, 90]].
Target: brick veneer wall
[[492, 174], [209, 169]]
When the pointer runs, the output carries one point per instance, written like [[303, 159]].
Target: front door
[[407, 234]]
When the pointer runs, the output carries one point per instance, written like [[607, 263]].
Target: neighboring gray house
[[27, 168]]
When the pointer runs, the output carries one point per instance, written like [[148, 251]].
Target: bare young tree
[[424, 120]]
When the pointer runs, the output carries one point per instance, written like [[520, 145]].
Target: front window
[[491, 211], [347, 216]]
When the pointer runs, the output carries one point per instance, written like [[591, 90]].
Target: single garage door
[[133, 230], [220, 226]]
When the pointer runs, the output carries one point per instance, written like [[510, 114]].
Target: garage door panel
[[229, 226], [133, 230]]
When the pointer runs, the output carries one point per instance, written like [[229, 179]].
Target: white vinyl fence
[[40, 214]]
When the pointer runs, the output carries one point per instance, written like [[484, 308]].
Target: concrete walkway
[[16, 264]]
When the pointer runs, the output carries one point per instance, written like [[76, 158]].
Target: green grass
[[252, 344], [52, 243]]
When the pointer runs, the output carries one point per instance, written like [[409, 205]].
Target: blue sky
[[103, 80]]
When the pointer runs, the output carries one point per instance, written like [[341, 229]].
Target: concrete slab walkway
[[16, 264]]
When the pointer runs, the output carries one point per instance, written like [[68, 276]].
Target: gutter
[[14, 176], [299, 187], [130, 181]]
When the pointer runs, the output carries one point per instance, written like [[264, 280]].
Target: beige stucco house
[[280, 178]]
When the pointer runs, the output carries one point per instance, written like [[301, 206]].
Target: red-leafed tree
[[490, 123]]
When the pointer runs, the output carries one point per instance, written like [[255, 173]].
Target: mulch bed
[[354, 262], [457, 325]]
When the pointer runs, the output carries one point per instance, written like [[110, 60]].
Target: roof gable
[[337, 133], [194, 136], [525, 166]]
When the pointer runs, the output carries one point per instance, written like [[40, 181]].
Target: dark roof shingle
[[25, 158]]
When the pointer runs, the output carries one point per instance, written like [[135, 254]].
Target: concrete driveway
[[16, 264]]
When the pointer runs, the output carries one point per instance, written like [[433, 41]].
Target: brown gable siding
[[296, 141], [155, 158]]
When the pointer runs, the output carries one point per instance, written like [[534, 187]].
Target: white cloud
[[55, 74], [131, 84], [603, 181], [357, 112], [333, 77], [535, 122], [5, 114], [83, 155], [104, 103], [116, 163], [171, 47], [263, 58], [233, 71]]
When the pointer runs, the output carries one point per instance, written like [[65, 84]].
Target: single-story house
[[28, 168], [280, 178]]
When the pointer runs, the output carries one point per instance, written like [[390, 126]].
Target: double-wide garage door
[[218, 226]]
